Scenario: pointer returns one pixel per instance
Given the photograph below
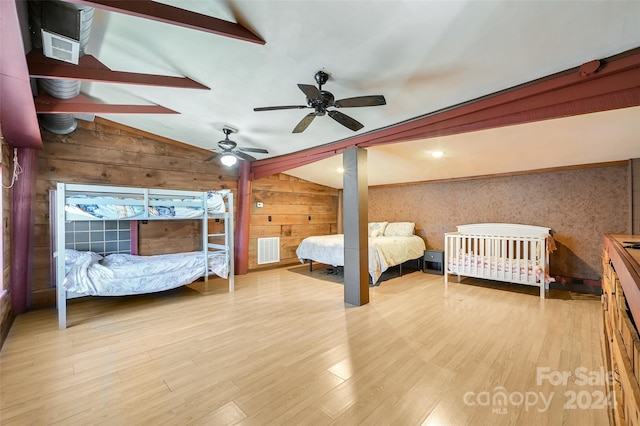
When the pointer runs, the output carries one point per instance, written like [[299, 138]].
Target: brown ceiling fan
[[320, 100]]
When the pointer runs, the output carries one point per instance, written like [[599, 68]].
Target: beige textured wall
[[579, 205]]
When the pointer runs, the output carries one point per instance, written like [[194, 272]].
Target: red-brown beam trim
[[17, 114], [472, 122], [83, 105], [175, 16], [242, 225], [615, 85], [90, 69]]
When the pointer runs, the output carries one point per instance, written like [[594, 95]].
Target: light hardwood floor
[[284, 349]]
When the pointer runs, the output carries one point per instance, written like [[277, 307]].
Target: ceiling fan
[[320, 100], [230, 152]]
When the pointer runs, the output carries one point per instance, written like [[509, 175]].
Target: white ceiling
[[584, 139], [421, 55]]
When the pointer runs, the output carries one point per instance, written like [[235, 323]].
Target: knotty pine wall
[[104, 153], [579, 205], [297, 208]]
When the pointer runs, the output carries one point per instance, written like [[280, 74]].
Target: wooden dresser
[[621, 313]]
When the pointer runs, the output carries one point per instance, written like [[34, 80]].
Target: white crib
[[506, 252]]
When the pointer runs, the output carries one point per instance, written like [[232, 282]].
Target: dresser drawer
[[433, 256], [432, 262]]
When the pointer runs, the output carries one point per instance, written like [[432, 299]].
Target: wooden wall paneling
[[293, 209], [291, 198], [106, 153], [6, 315], [635, 196], [162, 237], [288, 246], [291, 219]]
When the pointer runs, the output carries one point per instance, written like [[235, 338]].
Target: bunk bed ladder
[[205, 237], [227, 247]]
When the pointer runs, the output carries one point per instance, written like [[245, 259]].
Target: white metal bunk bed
[[100, 203], [506, 252]]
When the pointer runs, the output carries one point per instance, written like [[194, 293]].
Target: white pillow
[[399, 229], [375, 233], [377, 226]]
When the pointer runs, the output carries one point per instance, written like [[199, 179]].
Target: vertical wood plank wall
[[105, 154], [579, 205], [297, 208], [635, 196], [6, 316]]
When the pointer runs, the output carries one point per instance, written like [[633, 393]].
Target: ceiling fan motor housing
[[321, 77], [227, 144], [325, 100]]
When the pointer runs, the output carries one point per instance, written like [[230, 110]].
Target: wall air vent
[[268, 250], [59, 47]]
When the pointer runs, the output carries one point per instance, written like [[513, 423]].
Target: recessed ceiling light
[[340, 170], [437, 154]]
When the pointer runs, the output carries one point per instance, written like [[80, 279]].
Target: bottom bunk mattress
[[384, 252], [125, 274]]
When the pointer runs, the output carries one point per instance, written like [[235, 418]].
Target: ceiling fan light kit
[[228, 159], [230, 152], [320, 100]]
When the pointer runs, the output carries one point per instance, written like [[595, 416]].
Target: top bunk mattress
[[116, 207]]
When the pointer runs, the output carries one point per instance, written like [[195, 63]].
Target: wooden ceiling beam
[[595, 87], [599, 103], [91, 69], [81, 104], [167, 14]]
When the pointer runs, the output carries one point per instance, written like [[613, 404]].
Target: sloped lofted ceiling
[[423, 56]]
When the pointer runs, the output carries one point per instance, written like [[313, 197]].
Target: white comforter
[[125, 274], [384, 252]]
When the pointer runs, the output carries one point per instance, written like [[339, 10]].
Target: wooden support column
[[242, 222], [23, 224], [356, 238]]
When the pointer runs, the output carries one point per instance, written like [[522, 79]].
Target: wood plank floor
[[284, 349]]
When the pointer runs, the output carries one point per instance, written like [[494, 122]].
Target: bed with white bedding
[[120, 274], [87, 273], [387, 248]]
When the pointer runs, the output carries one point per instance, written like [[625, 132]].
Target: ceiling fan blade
[[345, 120], [304, 123], [273, 108], [213, 156], [310, 91], [361, 101], [244, 156], [258, 150]]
